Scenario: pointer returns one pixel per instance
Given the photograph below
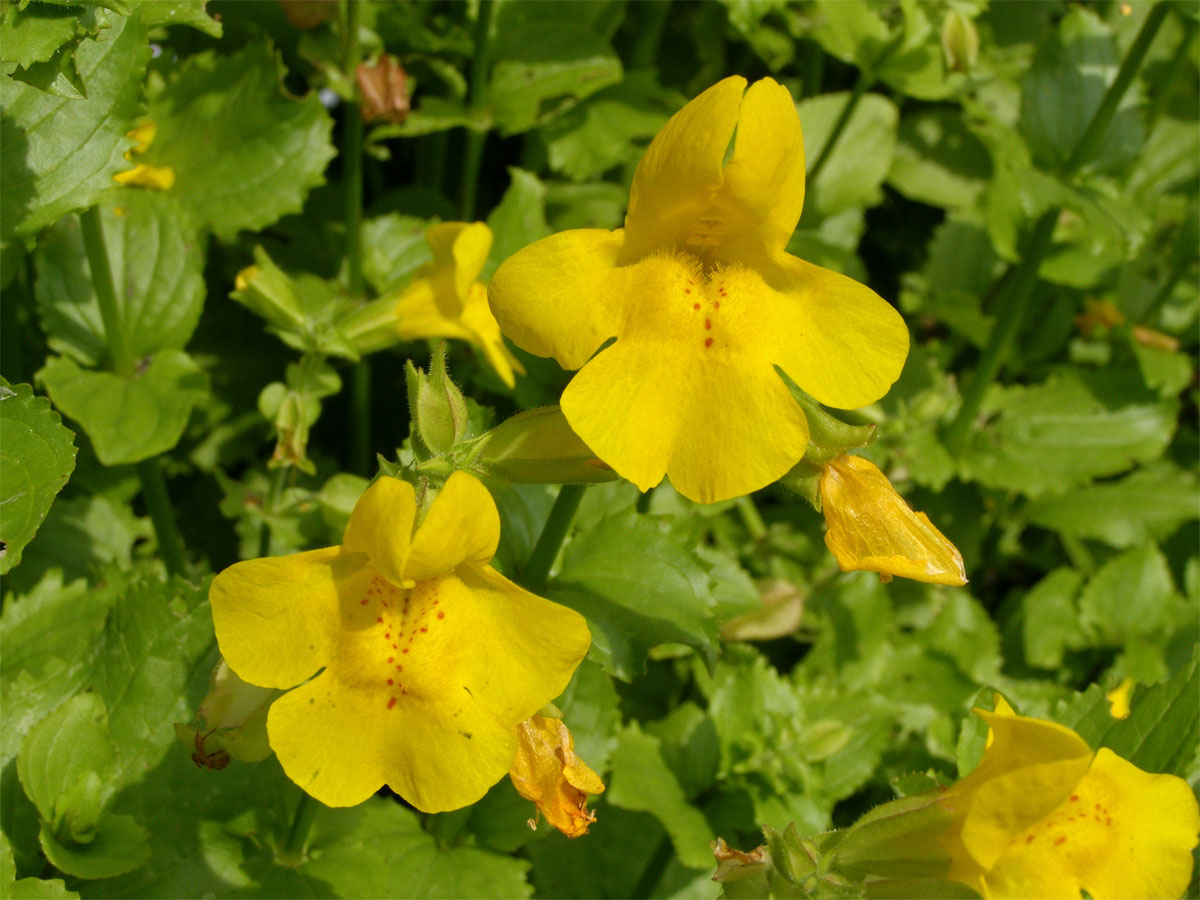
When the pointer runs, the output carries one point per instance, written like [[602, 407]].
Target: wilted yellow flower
[[429, 656], [445, 300], [872, 529], [704, 303], [1043, 816], [547, 772], [159, 178]]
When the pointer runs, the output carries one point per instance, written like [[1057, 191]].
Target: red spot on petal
[[1074, 798], [1029, 839], [717, 304], [393, 646], [363, 602], [423, 629], [391, 702], [1097, 806], [1060, 840], [1109, 822], [389, 681], [687, 290], [441, 615], [708, 323], [380, 620], [708, 342], [391, 659], [405, 650], [399, 668], [695, 306]]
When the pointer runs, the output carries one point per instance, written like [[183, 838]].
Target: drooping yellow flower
[[159, 178], [872, 529], [430, 657], [445, 300], [547, 772], [1118, 699], [704, 303], [1043, 816]]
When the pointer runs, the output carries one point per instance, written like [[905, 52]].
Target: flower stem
[[1172, 74], [1012, 302], [650, 32], [352, 160], [293, 846], [473, 158], [865, 80], [270, 502], [1087, 146], [120, 358], [158, 503], [751, 517], [537, 567]]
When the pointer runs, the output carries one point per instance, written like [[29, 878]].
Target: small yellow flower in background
[[430, 656], [872, 529], [704, 302], [159, 178], [547, 772], [1118, 699], [1043, 816], [445, 300]]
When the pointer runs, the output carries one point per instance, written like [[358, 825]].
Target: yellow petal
[[547, 772], [562, 296], [381, 526], [421, 311], [1121, 833], [1118, 699], [341, 742], [1030, 768], [837, 339], [143, 136], [681, 171], [277, 619], [762, 197], [159, 178], [460, 250], [462, 525], [477, 318], [872, 529]]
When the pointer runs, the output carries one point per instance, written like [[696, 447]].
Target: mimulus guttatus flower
[[547, 772], [159, 178], [445, 300], [872, 529], [704, 303], [1043, 816], [425, 658]]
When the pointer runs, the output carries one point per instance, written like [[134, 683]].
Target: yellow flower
[[704, 303], [548, 773], [429, 656], [445, 300], [1042, 816], [160, 178], [872, 529], [1118, 699]]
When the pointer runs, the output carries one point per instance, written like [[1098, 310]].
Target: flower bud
[[267, 291], [960, 42], [538, 447], [439, 410], [232, 721]]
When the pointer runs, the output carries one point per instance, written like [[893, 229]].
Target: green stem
[[1012, 304], [473, 158], [1182, 257], [812, 63], [158, 503], [537, 567], [1098, 127], [751, 518], [270, 505], [643, 502], [865, 80], [650, 32], [306, 811], [120, 357], [352, 159]]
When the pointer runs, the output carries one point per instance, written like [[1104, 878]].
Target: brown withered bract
[[384, 90]]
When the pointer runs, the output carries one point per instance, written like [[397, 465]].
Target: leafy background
[[1065, 473]]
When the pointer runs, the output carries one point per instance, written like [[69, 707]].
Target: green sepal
[[537, 446], [829, 437], [899, 839]]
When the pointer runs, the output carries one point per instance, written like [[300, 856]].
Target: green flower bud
[[267, 291], [439, 410], [960, 42]]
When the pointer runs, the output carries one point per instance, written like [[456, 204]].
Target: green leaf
[[939, 161], [394, 247], [547, 60], [37, 456], [1130, 595], [156, 258], [611, 128], [519, 218], [66, 766], [860, 159], [27, 888], [1064, 87], [1162, 731], [589, 707], [642, 782], [180, 12], [39, 132], [1146, 505], [1052, 437], [128, 419], [34, 32], [244, 153], [1050, 623], [119, 846], [638, 587]]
